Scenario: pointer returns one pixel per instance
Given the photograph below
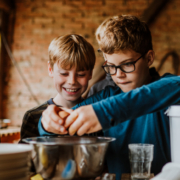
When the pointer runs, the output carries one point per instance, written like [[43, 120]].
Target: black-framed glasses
[[125, 67]]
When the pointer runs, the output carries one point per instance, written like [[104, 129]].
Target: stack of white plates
[[15, 161]]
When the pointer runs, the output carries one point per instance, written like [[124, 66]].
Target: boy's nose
[[72, 79], [120, 73]]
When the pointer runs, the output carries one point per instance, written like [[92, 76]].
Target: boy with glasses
[[132, 112]]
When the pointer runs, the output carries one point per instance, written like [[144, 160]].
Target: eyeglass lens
[[124, 67]]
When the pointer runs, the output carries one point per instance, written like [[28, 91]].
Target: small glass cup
[[140, 156]]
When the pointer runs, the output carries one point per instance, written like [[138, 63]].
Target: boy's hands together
[[53, 119], [81, 121]]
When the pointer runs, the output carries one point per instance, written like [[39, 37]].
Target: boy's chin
[[126, 89], [73, 99]]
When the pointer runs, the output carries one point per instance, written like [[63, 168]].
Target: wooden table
[[10, 134], [128, 176]]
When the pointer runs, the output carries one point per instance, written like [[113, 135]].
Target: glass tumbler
[[140, 156]]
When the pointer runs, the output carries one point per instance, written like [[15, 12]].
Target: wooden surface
[[128, 176]]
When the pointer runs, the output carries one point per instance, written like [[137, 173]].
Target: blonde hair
[[124, 32], [71, 51]]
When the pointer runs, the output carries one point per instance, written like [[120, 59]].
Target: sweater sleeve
[[103, 94], [113, 107], [42, 131], [140, 101], [29, 126]]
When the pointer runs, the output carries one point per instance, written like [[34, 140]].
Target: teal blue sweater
[[135, 117]]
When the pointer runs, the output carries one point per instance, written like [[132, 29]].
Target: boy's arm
[[30, 121], [29, 126], [119, 108], [144, 100]]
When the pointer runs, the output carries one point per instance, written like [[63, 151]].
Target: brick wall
[[37, 22]]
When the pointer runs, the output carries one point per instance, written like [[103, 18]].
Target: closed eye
[[81, 75], [64, 74], [128, 64], [110, 65]]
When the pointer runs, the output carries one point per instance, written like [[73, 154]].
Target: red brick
[[38, 22]]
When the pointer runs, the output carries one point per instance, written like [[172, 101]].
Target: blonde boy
[[70, 65]]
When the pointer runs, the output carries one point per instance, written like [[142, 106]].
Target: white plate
[[21, 178], [8, 165], [14, 157], [9, 152], [15, 173], [9, 148]]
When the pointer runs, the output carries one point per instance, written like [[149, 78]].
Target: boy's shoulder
[[38, 108], [108, 91], [36, 112], [31, 119], [168, 75]]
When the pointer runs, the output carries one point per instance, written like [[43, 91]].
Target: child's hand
[[53, 119], [83, 121]]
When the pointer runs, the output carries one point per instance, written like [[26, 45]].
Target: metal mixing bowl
[[62, 158]]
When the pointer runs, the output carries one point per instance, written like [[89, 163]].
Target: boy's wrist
[[105, 119], [42, 131]]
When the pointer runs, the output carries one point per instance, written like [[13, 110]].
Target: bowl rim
[[101, 140]]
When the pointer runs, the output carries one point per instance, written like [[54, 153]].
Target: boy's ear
[[150, 57], [50, 70]]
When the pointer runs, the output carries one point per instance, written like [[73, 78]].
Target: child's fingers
[[63, 114], [67, 110], [70, 119], [85, 122], [53, 127], [55, 117], [84, 129], [52, 122], [74, 127], [93, 129], [52, 112]]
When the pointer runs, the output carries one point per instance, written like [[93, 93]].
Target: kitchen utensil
[[71, 157]]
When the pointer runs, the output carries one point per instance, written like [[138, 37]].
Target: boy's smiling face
[[137, 78], [70, 84]]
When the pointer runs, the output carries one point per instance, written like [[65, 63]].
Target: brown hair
[[124, 32], [72, 50]]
